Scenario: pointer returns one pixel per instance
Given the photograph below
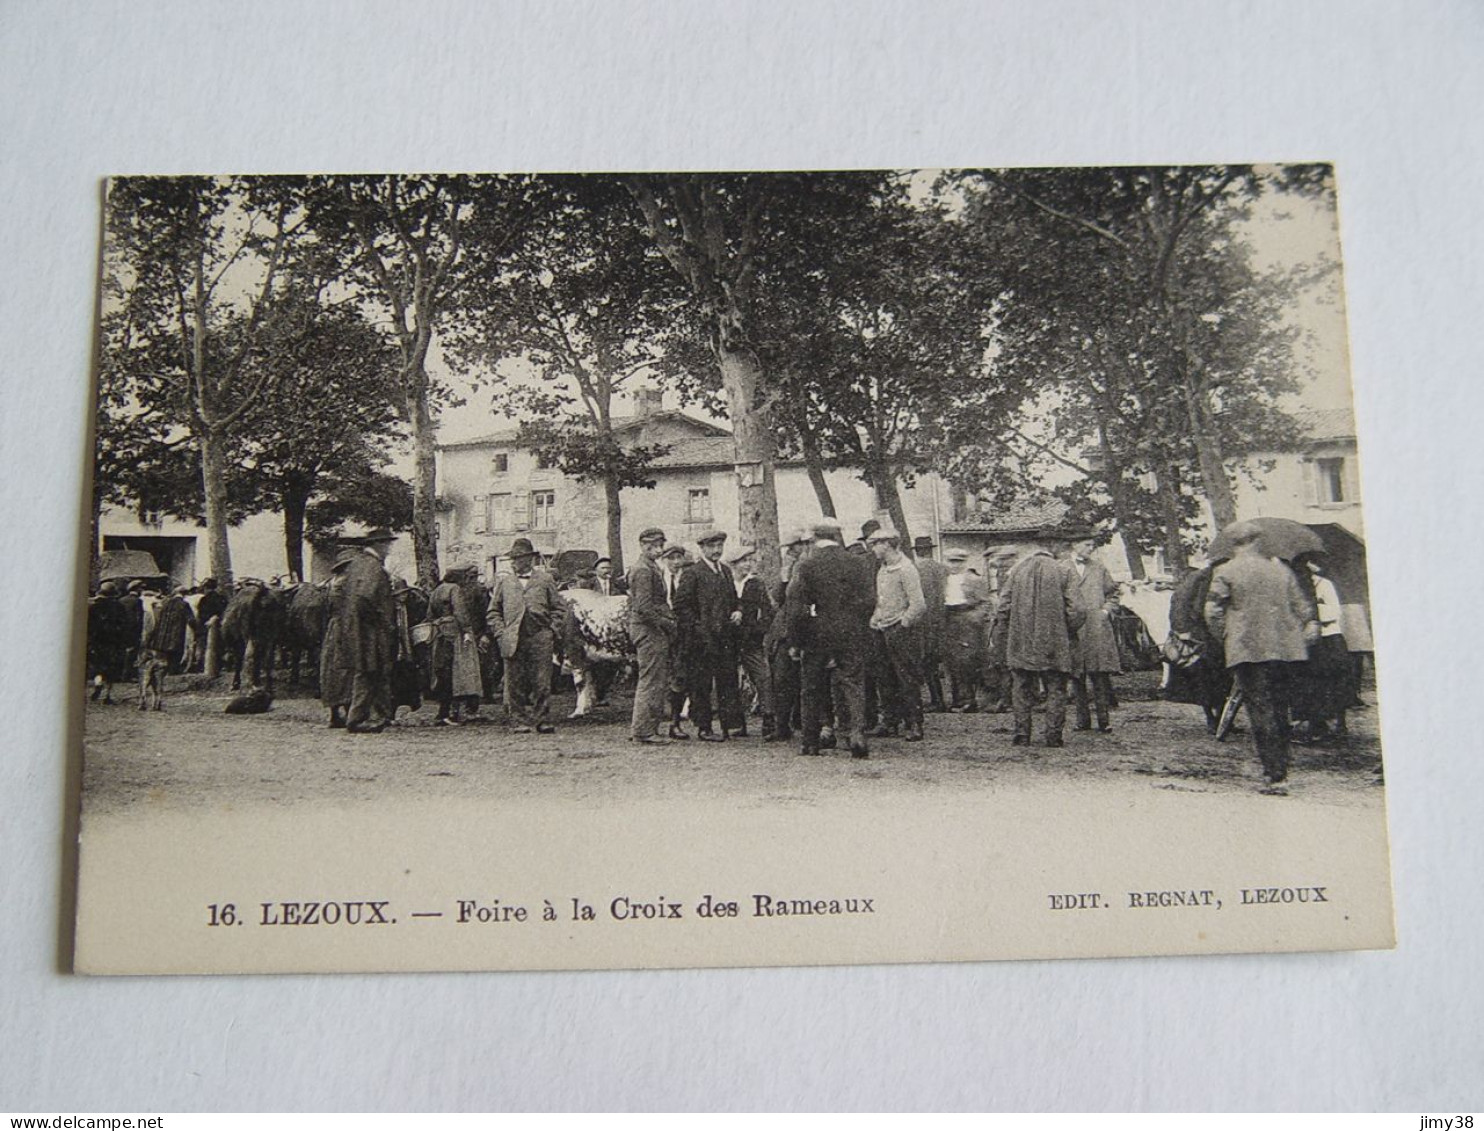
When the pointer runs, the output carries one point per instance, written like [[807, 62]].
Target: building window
[[543, 510], [544, 462], [698, 505], [501, 463], [498, 513], [1330, 474]]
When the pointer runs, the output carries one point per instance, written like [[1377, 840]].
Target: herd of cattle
[[260, 629]]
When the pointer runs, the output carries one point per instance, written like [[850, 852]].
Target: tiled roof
[[1325, 423], [703, 451], [1019, 519], [507, 436]]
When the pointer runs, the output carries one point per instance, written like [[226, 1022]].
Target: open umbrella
[[1280, 538]]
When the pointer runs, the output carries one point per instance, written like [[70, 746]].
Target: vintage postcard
[[517, 572]]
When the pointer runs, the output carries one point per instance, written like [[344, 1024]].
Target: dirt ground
[[192, 755]]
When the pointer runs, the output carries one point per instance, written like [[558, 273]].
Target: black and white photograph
[[1121, 355], [606, 570]]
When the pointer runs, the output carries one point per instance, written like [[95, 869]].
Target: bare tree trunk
[[1167, 485], [814, 466], [95, 539], [424, 484], [755, 453], [889, 499], [214, 489], [1118, 490], [1212, 460], [611, 492], [295, 502]]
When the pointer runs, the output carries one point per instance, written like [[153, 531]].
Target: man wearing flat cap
[[829, 604], [651, 628], [603, 581], [708, 613], [366, 631], [1035, 625], [525, 615]]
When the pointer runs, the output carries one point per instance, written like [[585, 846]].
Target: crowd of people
[[853, 643]]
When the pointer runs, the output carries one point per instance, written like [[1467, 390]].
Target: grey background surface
[[1389, 92]]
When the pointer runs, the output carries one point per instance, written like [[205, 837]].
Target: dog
[[153, 666], [255, 702]]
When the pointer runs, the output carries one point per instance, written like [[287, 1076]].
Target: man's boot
[[677, 704]]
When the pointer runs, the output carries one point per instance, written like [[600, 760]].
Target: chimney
[[646, 402]]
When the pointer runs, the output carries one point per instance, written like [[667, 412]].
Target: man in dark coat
[[133, 604], [651, 628], [166, 635], [783, 669], [708, 612], [336, 676], [1037, 619], [1256, 607], [752, 630], [603, 581], [829, 604], [932, 574], [110, 636], [367, 633], [525, 615], [1095, 651], [1200, 676]]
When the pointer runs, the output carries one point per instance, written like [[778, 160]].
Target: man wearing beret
[[708, 612]]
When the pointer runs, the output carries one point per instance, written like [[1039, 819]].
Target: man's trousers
[[714, 668], [1102, 695], [899, 652], [834, 679], [528, 678], [652, 688], [1265, 690], [370, 700], [1023, 693]]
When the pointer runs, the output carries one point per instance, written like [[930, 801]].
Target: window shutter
[[520, 510], [480, 513], [1311, 482]]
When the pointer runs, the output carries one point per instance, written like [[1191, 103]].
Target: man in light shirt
[[900, 608]]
